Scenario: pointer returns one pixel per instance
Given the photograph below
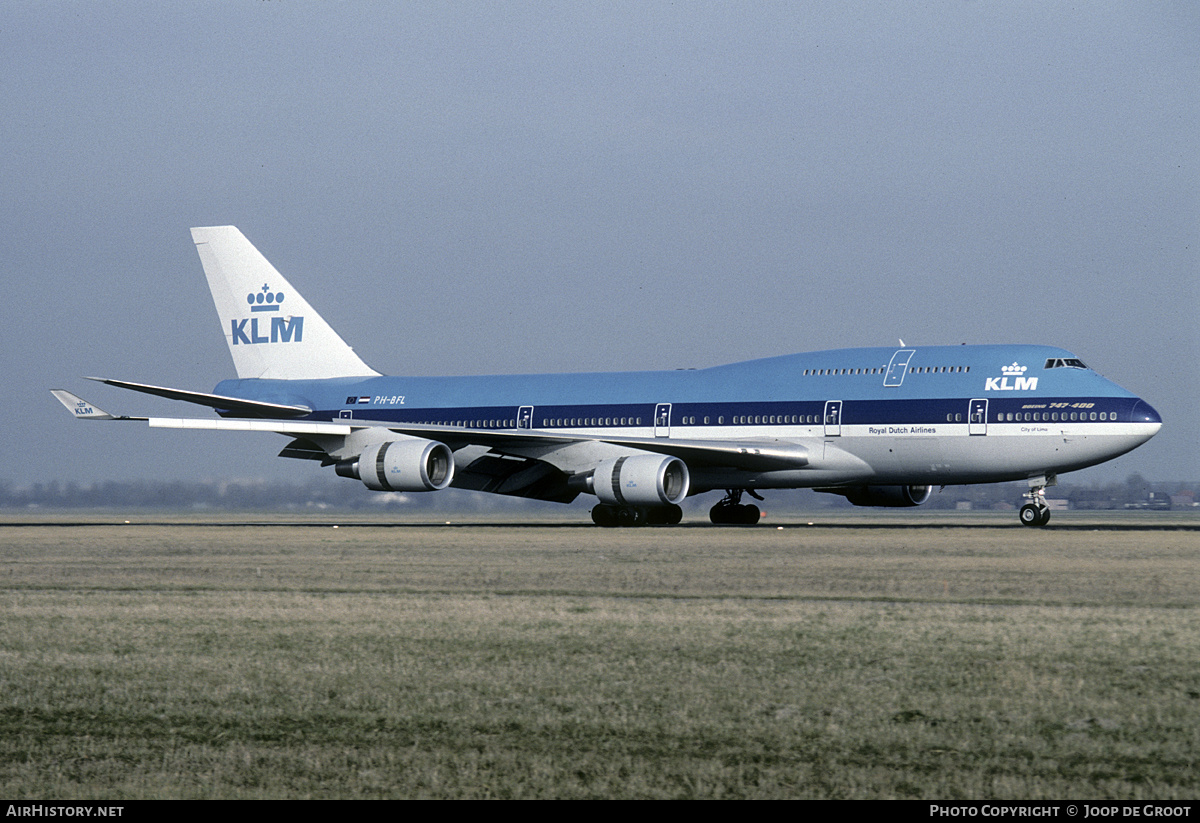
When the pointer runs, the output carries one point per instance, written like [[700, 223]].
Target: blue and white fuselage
[[879, 425], [949, 415]]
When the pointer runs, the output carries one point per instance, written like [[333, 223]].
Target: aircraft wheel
[[604, 515], [727, 514], [663, 515], [627, 516], [1032, 515]]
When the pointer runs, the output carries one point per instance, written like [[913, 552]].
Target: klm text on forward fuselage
[[1018, 384]]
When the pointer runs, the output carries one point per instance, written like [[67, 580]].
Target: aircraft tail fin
[[272, 332]]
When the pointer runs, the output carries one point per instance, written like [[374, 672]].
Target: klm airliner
[[879, 426]]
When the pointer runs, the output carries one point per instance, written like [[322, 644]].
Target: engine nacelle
[[413, 465], [890, 496], [641, 480]]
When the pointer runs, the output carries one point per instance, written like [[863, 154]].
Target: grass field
[[960, 661]]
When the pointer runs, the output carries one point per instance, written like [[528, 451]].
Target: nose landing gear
[[1034, 515], [1036, 512]]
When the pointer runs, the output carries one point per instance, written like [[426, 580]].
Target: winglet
[[79, 407]]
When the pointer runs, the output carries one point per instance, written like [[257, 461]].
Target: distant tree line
[[242, 495], [322, 495]]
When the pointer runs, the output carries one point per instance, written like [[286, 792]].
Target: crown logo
[[265, 300], [1013, 370]]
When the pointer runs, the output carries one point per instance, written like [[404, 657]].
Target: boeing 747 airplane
[[880, 426]]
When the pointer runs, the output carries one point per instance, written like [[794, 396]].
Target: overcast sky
[[469, 188]]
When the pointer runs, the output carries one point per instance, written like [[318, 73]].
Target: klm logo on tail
[[283, 329], [1020, 383]]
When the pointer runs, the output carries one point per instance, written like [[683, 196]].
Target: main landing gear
[[608, 515], [730, 510], [1036, 512]]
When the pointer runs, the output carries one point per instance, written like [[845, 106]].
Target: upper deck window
[[1065, 363]]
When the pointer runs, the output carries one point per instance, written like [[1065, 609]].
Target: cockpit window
[[1065, 363]]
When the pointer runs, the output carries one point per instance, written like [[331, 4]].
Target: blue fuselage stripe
[[862, 412]]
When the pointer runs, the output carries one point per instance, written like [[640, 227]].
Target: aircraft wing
[[83, 410], [524, 463], [751, 455], [276, 426]]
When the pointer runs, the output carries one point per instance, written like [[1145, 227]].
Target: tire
[[663, 515], [604, 515], [1031, 515]]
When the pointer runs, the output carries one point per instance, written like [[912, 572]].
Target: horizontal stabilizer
[[244, 408]]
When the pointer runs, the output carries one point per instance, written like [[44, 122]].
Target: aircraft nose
[[1143, 412]]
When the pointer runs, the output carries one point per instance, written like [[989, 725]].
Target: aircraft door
[[897, 366], [977, 417], [525, 417], [662, 420], [833, 418]]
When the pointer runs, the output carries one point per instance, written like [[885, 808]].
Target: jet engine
[[641, 480], [890, 496], [412, 465]]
